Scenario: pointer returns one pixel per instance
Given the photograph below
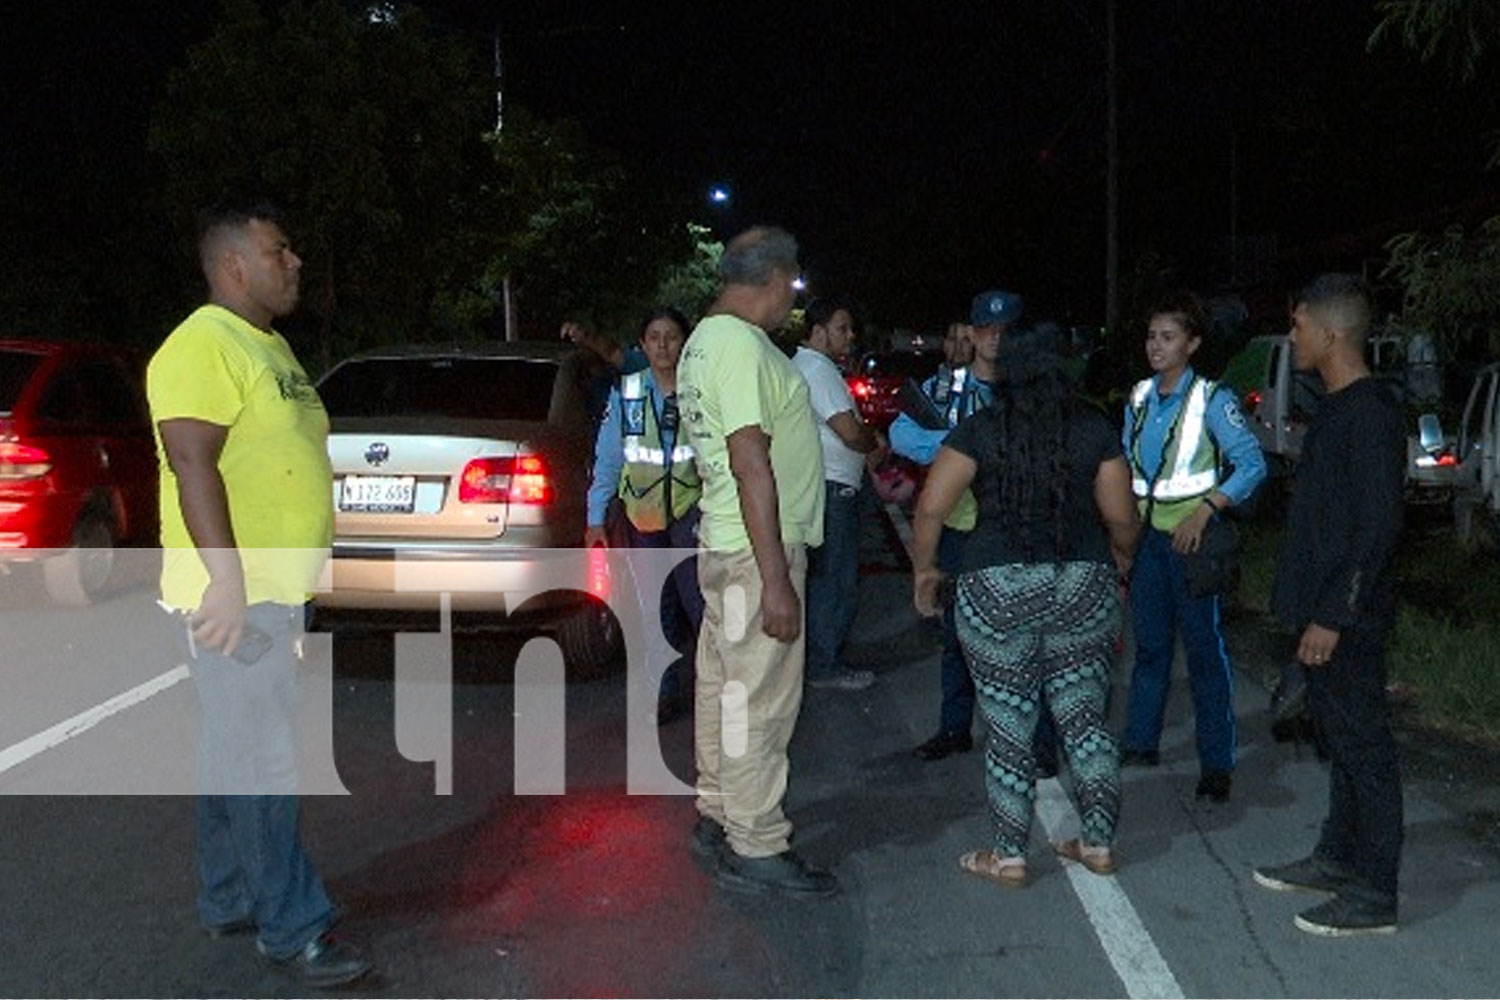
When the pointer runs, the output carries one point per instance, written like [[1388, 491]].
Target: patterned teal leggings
[[1033, 631]]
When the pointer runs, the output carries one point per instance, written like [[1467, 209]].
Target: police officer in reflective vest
[[644, 469], [1180, 432], [956, 393]]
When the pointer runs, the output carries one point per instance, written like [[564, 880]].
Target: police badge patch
[[1233, 415], [633, 417]]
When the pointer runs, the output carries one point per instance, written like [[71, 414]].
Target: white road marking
[[1126, 942], [14, 756]]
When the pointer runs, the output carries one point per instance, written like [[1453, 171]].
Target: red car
[[875, 380], [78, 472]]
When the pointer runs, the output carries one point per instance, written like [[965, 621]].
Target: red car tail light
[[859, 387], [599, 572], [521, 479], [1252, 399], [22, 461]]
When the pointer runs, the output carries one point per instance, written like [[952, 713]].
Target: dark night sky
[[919, 151]]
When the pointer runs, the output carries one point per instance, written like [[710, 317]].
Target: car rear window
[[452, 388], [15, 368]]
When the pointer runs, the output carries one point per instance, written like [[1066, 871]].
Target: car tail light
[[22, 461], [859, 387], [521, 479], [1447, 459], [599, 572], [1252, 399]]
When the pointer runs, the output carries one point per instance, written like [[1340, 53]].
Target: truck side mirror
[[1430, 433]]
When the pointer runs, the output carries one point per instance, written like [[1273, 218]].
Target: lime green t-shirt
[[218, 368], [731, 376]]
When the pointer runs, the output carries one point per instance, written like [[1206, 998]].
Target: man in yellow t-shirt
[[747, 415], [247, 518]]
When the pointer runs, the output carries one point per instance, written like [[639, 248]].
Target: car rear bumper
[[417, 577], [34, 527]]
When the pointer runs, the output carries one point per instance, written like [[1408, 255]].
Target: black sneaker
[[842, 679], [1214, 785], [1140, 758], [708, 839], [323, 961], [1311, 874], [944, 744], [784, 872], [1347, 916]]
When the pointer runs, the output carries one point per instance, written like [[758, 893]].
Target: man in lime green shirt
[[246, 517], [746, 410]]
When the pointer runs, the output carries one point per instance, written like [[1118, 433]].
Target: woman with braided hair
[[1037, 597]]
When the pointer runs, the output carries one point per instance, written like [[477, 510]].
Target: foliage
[[1443, 646], [692, 284], [1458, 33], [580, 237], [301, 107], [1448, 281], [414, 216], [1449, 287]]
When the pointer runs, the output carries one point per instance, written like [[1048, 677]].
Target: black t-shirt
[[1092, 440]]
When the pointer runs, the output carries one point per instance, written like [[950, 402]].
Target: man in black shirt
[[1333, 588]]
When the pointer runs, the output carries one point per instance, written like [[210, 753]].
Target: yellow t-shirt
[[731, 376], [218, 368]]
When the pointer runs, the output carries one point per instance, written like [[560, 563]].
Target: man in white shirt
[[848, 445]]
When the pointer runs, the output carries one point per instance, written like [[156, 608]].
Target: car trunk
[[394, 485]]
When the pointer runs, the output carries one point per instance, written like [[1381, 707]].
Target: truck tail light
[[23, 461], [519, 479]]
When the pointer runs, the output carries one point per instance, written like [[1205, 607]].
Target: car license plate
[[378, 494]]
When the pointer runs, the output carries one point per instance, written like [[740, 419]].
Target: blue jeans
[[250, 858], [957, 714], [1362, 832], [681, 603], [1160, 604], [833, 580]]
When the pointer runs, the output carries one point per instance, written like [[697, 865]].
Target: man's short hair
[[1340, 300], [819, 312], [751, 257], [226, 217]]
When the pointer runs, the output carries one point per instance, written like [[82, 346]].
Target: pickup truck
[[1279, 401], [1470, 466]]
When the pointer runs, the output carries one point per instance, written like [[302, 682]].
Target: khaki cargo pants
[[748, 695]]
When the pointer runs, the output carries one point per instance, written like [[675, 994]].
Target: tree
[[692, 284], [1458, 33], [412, 212], [1448, 281], [302, 106]]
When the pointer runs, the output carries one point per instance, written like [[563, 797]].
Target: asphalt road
[[486, 892]]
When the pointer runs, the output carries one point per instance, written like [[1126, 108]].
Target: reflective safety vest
[[955, 392], [651, 473], [1189, 467]]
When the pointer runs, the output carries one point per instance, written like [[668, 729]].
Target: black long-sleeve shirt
[[1345, 517]]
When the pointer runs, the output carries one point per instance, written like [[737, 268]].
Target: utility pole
[[1112, 187], [508, 304]]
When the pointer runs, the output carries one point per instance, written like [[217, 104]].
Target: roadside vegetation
[[1444, 656]]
